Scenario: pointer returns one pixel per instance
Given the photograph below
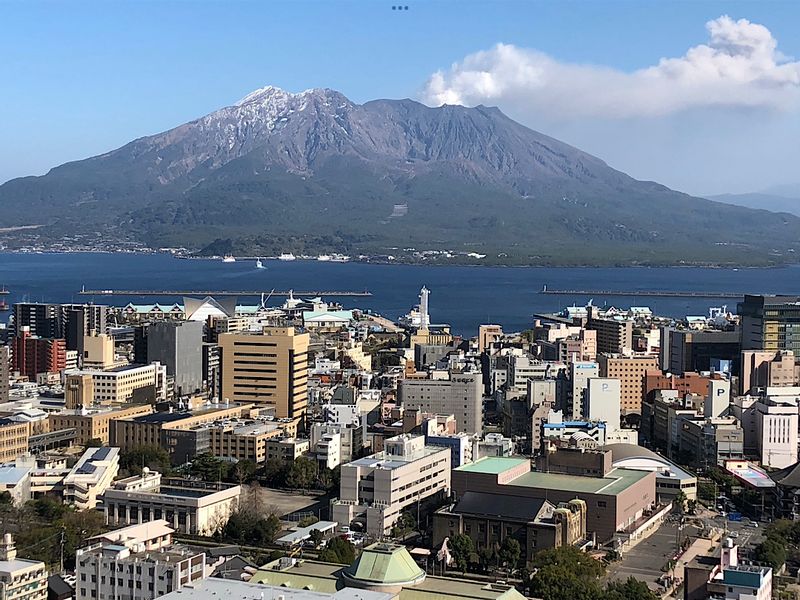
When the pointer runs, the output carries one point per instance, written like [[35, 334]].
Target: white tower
[[424, 318]]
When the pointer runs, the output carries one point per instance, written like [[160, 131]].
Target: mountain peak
[[271, 92]]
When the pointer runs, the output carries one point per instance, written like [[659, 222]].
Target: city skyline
[[632, 85]]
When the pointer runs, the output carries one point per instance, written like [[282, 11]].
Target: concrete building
[[139, 562], [21, 579], [5, 364], [34, 355], [762, 369], [616, 501], [579, 374], [488, 335], [776, 431], [614, 336], [376, 489], [14, 436], [383, 571], [533, 522], [91, 476], [770, 323], [705, 443], [178, 345], [192, 507], [95, 423], [603, 402], [80, 320], [460, 395], [630, 370], [269, 368], [693, 351], [351, 439], [128, 383], [722, 577], [98, 352], [41, 319], [78, 390], [287, 449], [670, 478]]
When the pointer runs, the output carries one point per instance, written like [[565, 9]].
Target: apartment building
[[770, 323], [630, 370], [33, 355], [139, 562], [95, 423], [375, 490], [267, 368], [5, 364], [21, 579], [460, 395], [287, 449], [614, 336]]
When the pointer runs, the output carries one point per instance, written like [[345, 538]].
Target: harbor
[[281, 293], [651, 293]]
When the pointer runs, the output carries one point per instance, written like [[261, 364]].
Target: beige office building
[[13, 439], [94, 423], [127, 383], [98, 352], [375, 490], [631, 371], [78, 390], [287, 449], [267, 368]]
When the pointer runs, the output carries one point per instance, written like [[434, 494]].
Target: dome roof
[[626, 451], [383, 565]]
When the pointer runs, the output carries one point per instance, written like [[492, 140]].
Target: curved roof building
[[670, 478]]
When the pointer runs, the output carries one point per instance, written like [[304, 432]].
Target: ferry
[[340, 258], [4, 305], [324, 257], [287, 256], [228, 258], [259, 264]]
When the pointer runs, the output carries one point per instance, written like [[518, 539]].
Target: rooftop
[[616, 481], [493, 465], [214, 588]]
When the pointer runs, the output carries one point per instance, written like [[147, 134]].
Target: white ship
[[259, 264], [339, 258], [287, 256], [228, 258], [324, 257]]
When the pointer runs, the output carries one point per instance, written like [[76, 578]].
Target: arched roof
[[626, 451]]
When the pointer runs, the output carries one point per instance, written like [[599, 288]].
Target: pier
[[651, 293], [203, 293]]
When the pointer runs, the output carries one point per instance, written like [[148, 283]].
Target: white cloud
[[740, 66]]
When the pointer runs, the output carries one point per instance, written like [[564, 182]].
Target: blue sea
[[464, 297]]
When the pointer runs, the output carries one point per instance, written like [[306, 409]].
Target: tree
[[691, 506], [316, 537], [244, 527], [244, 470], [210, 468], [308, 521], [275, 472], [302, 473], [680, 502], [630, 589], [510, 552], [461, 549], [152, 457], [565, 573], [6, 498], [338, 550], [94, 443], [772, 551]]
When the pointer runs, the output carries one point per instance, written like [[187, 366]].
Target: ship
[[3, 305], [324, 257], [259, 264], [228, 258], [339, 258], [287, 256]]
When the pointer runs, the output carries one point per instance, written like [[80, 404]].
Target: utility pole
[[61, 559]]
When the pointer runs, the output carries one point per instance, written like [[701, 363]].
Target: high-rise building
[[98, 351], [78, 390], [770, 323], [613, 335], [5, 363], [267, 368], [79, 320], [22, 579], [34, 355], [694, 351], [488, 335], [461, 395], [179, 346], [603, 402], [631, 371], [42, 320], [580, 372]]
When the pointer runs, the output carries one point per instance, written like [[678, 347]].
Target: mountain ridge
[[315, 172]]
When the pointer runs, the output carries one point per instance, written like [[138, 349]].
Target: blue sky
[[81, 78]]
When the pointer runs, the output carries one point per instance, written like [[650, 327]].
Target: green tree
[[94, 443], [302, 473], [772, 551], [316, 537], [461, 549], [680, 502], [487, 556], [510, 552], [565, 573], [152, 457], [275, 472], [630, 589], [49, 508], [244, 527], [210, 468], [338, 550], [6, 498], [308, 521], [691, 506]]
